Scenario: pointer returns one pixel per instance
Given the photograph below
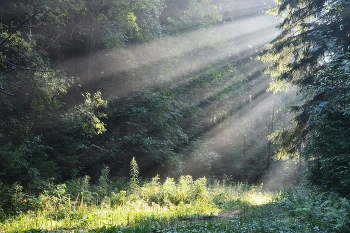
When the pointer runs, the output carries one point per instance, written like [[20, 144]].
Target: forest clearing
[[174, 116], [186, 205]]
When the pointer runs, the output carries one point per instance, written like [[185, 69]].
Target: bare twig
[[9, 36]]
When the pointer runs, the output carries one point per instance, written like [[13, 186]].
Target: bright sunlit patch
[[258, 198]]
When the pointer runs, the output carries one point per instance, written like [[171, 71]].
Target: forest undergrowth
[[182, 205]]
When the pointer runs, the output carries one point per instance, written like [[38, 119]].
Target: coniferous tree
[[312, 52]]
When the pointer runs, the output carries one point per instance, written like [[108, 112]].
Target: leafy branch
[[21, 25]]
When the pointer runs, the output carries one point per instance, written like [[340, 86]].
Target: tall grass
[[156, 202], [182, 205]]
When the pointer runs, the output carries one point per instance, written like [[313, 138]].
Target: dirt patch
[[230, 214]]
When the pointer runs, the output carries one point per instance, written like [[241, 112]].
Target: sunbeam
[[211, 70], [180, 59], [235, 40], [174, 115]]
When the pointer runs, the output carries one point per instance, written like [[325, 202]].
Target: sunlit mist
[[236, 40], [148, 61]]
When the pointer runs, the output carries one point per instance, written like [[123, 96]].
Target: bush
[[318, 210]]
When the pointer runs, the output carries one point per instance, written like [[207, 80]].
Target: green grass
[[185, 205]]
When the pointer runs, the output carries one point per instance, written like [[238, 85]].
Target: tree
[[199, 14], [33, 91], [150, 130], [33, 131], [312, 52]]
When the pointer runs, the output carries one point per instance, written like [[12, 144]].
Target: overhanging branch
[[9, 36]]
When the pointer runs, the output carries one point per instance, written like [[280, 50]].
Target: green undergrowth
[[182, 205], [154, 204]]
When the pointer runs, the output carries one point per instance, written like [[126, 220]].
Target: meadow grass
[[153, 204], [184, 205]]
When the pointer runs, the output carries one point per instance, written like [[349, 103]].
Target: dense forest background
[[175, 84]]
